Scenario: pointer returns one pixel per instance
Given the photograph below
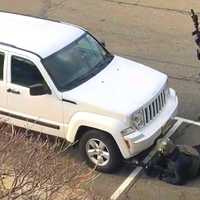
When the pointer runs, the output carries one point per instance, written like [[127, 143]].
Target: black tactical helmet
[[165, 146]]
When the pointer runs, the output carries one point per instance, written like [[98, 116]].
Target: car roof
[[40, 36]]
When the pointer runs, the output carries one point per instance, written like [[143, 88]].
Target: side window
[[24, 72], [2, 56]]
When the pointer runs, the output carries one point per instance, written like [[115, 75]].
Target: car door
[[42, 113], [3, 65]]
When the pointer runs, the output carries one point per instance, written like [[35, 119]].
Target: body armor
[[194, 154]]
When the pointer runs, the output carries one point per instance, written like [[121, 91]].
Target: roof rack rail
[[13, 46]]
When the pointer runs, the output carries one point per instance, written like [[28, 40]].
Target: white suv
[[56, 78]]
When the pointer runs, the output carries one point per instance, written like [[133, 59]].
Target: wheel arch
[[83, 129], [82, 122]]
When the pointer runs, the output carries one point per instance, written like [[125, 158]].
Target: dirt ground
[[154, 32]]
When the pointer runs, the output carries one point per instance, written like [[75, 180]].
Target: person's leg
[[197, 147]]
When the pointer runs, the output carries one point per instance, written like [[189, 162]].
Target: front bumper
[[144, 138]]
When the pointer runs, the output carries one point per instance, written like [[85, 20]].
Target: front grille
[[155, 107]]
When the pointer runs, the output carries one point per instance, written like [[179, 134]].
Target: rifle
[[196, 32], [154, 167]]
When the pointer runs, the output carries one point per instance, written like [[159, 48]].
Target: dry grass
[[38, 168]]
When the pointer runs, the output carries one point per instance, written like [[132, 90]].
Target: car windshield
[[77, 62]]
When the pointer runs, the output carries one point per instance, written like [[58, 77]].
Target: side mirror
[[103, 43], [39, 89]]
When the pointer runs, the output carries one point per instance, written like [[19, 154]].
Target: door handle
[[12, 91]]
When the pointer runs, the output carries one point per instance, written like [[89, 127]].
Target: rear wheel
[[100, 151]]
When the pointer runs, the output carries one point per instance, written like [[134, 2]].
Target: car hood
[[122, 87]]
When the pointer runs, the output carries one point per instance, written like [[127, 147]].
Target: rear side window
[[2, 56], [24, 72]]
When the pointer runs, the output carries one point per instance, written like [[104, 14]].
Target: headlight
[[138, 119]]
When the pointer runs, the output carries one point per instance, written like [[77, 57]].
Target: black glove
[[150, 171]]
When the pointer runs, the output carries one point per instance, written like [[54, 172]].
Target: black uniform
[[176, 168]]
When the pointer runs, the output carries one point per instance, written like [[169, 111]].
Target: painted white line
[[132, 178], [188, 121]]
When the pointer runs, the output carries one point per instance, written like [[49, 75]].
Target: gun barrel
[[192, 11], [194, 17]]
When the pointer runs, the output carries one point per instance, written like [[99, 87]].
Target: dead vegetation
[[37, 168]]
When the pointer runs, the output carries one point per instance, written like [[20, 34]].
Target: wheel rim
[[97, 152]]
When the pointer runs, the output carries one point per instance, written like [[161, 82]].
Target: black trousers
[[197, 147]]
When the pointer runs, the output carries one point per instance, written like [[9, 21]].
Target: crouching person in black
[[174, 164]]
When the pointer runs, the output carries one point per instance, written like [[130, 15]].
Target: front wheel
[[100, 151]]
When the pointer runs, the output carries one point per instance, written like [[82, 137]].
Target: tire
[[100, 151]]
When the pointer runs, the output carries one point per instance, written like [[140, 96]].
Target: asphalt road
[[154, 32]]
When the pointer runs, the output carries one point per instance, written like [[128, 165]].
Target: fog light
[[128, 131]]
